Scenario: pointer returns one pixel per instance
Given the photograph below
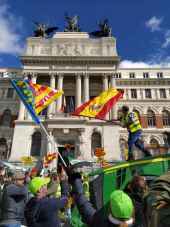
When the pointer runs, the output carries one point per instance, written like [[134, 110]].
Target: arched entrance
[[95, 141], [36, 144], [3, 149]]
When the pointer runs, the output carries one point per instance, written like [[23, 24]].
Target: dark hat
[[125, 108]]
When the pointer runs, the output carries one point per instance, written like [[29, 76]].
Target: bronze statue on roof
[[72, 24], [42, 30], [105, 29]]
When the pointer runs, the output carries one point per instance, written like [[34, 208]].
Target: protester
[[137, 190], [42, 210], [158, 202], [13, 202], [121, 207], [130, 120]]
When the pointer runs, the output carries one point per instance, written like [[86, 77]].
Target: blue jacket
[[13, 202], [90, 216], [45, 210]]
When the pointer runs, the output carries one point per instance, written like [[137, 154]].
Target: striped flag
[[35, 97], [99, 106]]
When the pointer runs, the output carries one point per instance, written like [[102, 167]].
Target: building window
[[117, 75], [131, 75], [145, 75], [166, 118], [36, 144], [162, 93], [148, 93], [6, 118], [10, 93], [133, 93], [151, 118], [160, 75], [70, 104]]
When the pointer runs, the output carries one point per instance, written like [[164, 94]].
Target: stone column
[[59, 87], [22, 109], [114, 109], [167, 92], [138, 94], [78, 90], [52, 106], [34, 78], [86, 88], [105, 83], [105, 87], [153, 94]]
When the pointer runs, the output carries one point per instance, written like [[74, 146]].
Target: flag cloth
[[99, 106], [49, 158], [35, 97]]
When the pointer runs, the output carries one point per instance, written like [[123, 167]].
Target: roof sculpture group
[[45, 31]]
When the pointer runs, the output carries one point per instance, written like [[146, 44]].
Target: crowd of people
[[45, 199]]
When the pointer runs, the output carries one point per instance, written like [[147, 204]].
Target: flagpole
[[49, 138]]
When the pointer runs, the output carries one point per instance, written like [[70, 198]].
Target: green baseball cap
[[36, 183], [121, 205]]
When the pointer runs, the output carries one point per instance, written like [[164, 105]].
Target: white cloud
[[167, 39], [132, 64], [10, 39], [149, 64], [154, 23]]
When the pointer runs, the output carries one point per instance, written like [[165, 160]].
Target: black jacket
[[90, 216], [13, 203]]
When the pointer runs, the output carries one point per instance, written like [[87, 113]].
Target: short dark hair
[[125, 108]]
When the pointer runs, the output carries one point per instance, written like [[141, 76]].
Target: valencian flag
[[99, 106], [35, 97]]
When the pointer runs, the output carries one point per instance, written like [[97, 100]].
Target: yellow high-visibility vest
[[135, 125]]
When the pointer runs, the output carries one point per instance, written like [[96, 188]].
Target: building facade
[[83, 67]]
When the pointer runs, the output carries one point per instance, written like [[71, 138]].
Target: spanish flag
[[99, 106], [35, 97]]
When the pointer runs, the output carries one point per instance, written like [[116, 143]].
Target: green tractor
[[103, 181]]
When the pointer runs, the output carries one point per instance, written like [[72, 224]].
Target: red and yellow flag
[[99, 106], [49, 158], [44, 96], [35, 97]]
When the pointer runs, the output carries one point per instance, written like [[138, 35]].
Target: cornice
[[69, 59]]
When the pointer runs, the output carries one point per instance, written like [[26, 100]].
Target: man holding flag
[[36, 98]]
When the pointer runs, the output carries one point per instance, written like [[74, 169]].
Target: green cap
[[36, 183], [121, 205]]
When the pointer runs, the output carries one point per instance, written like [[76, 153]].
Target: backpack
[[158, 202], [32, 212]]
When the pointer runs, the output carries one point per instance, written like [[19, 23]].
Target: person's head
[[19, 178], [121, 209], [33, 172], [38, 186], [2, 170], [67, 147], [139, 182], [125, 109], [55, 177]]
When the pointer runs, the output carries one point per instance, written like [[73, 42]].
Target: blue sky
[[141, 27]]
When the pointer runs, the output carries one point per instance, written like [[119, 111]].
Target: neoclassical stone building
[[83, 67]]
